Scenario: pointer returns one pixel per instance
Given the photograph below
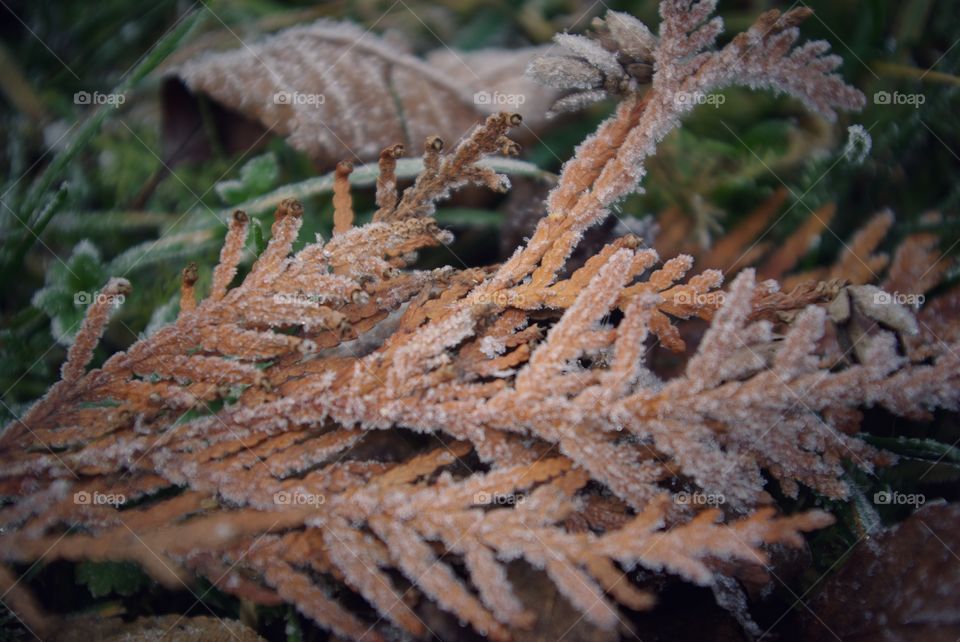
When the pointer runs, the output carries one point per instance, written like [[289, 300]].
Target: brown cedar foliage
[[274, 405]]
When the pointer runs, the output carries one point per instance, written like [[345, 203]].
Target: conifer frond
[[266, 433]]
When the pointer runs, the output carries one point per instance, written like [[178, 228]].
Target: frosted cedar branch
[[257, 441]]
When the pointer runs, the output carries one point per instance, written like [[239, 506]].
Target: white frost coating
[[491, 347], [859, 144], [592, 52]]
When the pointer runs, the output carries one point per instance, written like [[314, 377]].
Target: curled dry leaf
[[901, 584], [337, 91]]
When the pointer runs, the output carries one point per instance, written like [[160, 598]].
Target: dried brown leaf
[[316, 84]]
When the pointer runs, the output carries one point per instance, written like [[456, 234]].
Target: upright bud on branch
[[95, 322], [188, 297], [431, 154], [342, 201], [230, 255], [387, 180]]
